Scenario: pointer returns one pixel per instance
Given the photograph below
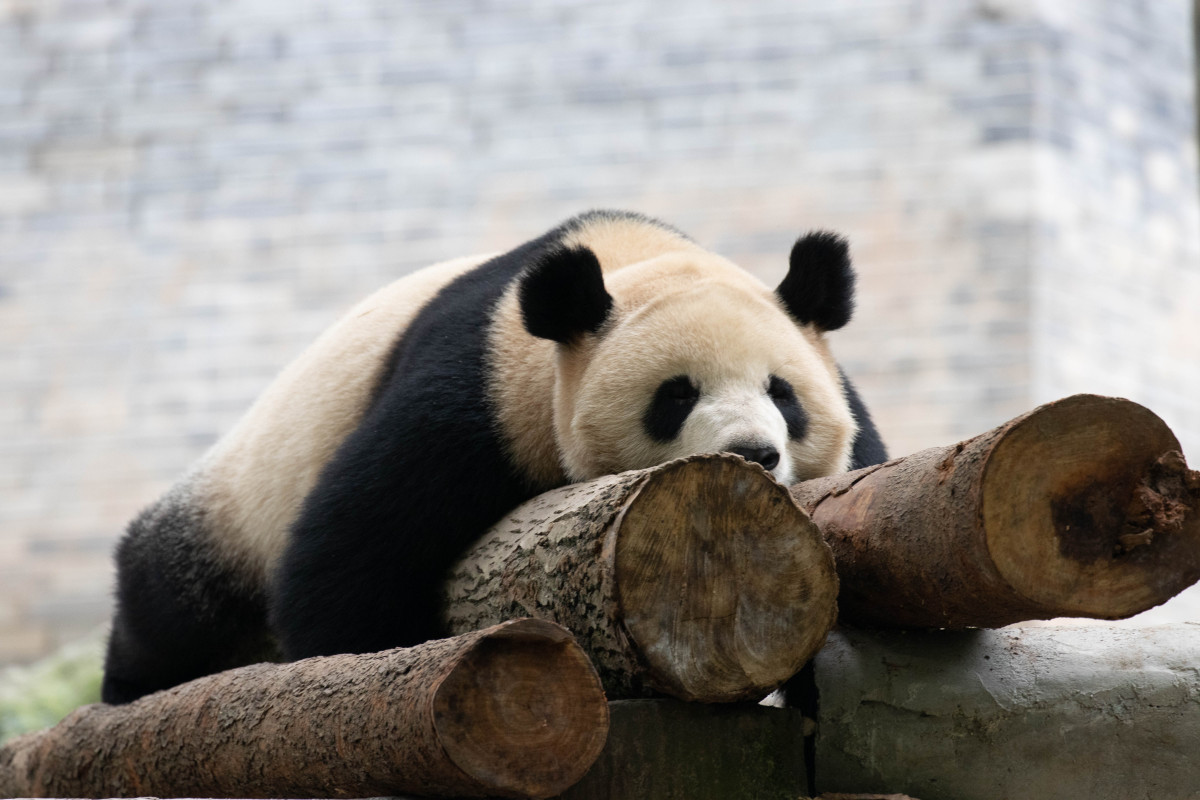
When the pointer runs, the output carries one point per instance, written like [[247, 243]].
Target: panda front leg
[[389, 515]]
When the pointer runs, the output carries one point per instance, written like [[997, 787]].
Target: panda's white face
[[738, 415], [735, 414], [713, 368]]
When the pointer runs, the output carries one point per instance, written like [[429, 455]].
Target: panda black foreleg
[[346, 584], [366, 558]]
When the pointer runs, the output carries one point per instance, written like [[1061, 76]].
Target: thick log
[[700, 578], [1083, 507], [663, 749], [512, 711]]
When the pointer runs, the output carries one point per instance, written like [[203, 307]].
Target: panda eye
[[780, 390], [673, 402], [784, 397], [680, 389]]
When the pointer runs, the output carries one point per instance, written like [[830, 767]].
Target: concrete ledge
[[1091, 711]]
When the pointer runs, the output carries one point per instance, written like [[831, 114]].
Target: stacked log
[[700, 579], [512, 711], [1083, 507], [703, 579]]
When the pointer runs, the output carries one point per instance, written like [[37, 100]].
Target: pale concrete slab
[[1093, 712]]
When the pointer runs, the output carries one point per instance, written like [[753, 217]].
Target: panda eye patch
[[784, 397], [673, 402]]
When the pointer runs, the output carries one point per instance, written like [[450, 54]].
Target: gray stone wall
[[190, 191], [1116, 267]]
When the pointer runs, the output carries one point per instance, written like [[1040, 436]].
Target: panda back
[[405, 338], [256, 477]]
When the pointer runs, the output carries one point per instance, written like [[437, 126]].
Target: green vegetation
[[41, 694]]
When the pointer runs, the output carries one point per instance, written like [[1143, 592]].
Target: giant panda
[[323, 521]]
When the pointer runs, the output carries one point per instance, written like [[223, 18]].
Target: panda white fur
[[325, 518]]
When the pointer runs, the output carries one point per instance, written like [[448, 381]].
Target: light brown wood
[[1082, 507], [512, 711], [700, 578]]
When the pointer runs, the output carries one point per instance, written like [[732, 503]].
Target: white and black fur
[[324, 521]]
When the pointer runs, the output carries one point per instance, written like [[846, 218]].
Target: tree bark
[[1083, 507], [512, 711], [700, 578]]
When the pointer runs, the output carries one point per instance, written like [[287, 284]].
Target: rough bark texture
[[1083, 507], [700, 578], [512, 711]]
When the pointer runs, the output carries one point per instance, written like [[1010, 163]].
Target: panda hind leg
[[181, 613]]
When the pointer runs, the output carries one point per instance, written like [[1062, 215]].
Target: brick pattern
[[190, 191], [1116, 280]]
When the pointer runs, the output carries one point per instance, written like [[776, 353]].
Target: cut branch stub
[[1082, 507], [700, 578]]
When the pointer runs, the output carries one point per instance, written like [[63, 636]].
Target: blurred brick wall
[[190, 191]]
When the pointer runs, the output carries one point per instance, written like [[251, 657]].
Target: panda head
[[685, 353]]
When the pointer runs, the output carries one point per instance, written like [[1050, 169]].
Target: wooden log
[[700, 578], [663, 749], [1083, 507], [512, 711]]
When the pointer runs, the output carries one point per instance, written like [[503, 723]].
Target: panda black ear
[[819, 287], [562, 295]]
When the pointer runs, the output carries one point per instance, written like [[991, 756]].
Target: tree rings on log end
[[523, 711], [1089, 509], [723, 583]]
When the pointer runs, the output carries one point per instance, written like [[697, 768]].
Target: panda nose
[[767, 456]]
